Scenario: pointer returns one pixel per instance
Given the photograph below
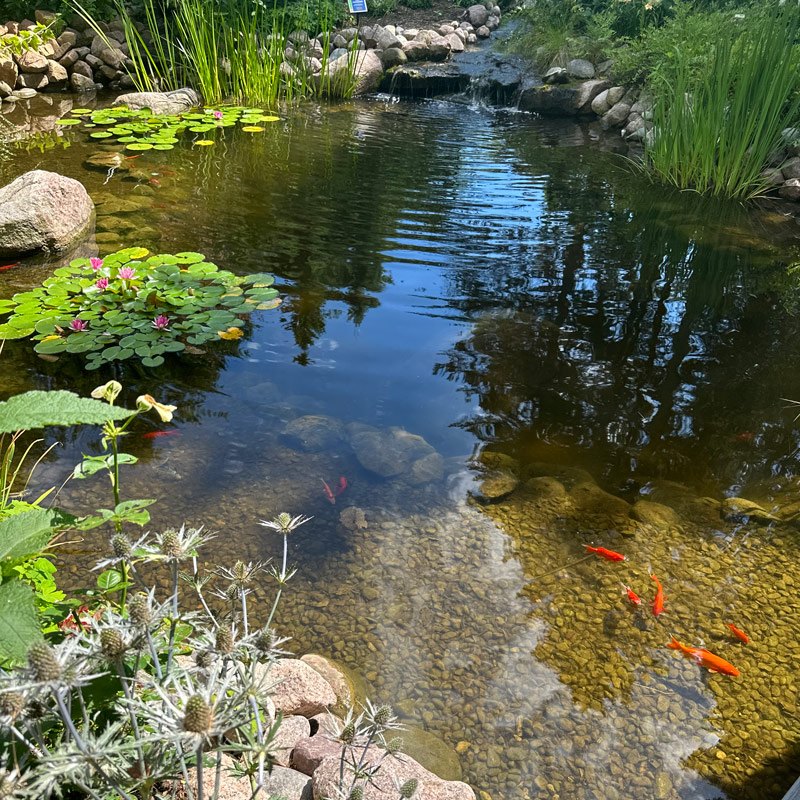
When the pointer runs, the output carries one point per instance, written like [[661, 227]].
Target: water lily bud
[[383, 715], [197, 715], [11, 704], [121, 546], [409, 788], [224, 640], [43, 662], [108, 391], [356, 793], [112, 643], [348, 733], [394, 746], [139, 610]]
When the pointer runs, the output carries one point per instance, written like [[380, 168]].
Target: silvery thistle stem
[[281, 580], [174, 621], [200, 787], [131, 715], [37, 751]]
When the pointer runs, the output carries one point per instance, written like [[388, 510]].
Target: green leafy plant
[[140, 130], [132, 304], [18, 43], [715, 133]]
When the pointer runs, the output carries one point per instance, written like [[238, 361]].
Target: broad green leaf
[[19, 626], [37, 409], [108, 580], [29, 532]]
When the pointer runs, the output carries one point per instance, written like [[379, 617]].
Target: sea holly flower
[[161, 323], [78, 324], [126, 273], [145, 402], [95, 263], [101, 283]]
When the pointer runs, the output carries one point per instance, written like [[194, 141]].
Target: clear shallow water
[[489, 282]]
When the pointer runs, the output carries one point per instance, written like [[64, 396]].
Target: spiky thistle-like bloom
[[51, 668], [122, 549], [176, 545], [285, 523], [241, 574]]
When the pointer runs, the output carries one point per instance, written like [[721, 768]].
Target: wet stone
[[496, 486], [314, 433], [433, 753]]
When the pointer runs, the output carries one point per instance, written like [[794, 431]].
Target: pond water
[[503, 288]]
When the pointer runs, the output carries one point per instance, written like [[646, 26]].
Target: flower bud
[[112, 643], [204, 659], [11, 704], [121, 546], [108, 391], [383, 715], [409, 788], [348, 733], [224, 639], [356, 793], [171, 544], [139, 610], [197, 715], [394, 746], [43, 662]]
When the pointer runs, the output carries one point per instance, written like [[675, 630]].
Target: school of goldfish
[[705, 658]]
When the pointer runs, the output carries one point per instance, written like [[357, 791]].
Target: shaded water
[[497, 285]]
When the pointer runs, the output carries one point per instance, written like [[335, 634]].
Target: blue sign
[[357, 6]]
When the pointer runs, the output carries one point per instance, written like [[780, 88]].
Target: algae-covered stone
[[497, 485], [426, 469], [390, 452], [353, 518], [493, 460], [434, 754], [314, 432], [349, 688], [597, 509], [661, 517], [568, 475], [106, 160], [738, 509]]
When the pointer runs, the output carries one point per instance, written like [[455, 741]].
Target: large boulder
[[383, 785], [290, 732], [174, 102], [580, 68], [286, 783], [299, 689], [8, 70], [387, 453], [43, 211], [478, 15], [367, 70], [30, 61]]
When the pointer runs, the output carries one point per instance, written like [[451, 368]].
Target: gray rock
[[386, 39], [388, 453], [314, 432], [605, 67], [8, 70], [32, 80], [367, 71], [615, 116], [438, 48], [616, 95], [80, 83], [43, 211], [298, 689], [68, 59], [601, 104], [446, 30], [477, 15], [426, 469], [113, 57], [392, 57], [791, 168], [416, 50], [292, 729], [586, 92], [56, 73], [790, 190], [288, 784], [483, 32], [556, 75], [93, 61], [339, 41], [456, 43], [580, 68], [173, 102], [492, 23], [5, 90], [82, 68]]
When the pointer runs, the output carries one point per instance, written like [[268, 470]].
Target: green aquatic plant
[[133, 304], [141, 130], [715, 132]]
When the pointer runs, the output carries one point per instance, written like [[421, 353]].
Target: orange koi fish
[[632, 596], [608, 555], [329, 494], [342, 486], [658, 602], [704, 658], [9, 266], [738, 634], [156, 434], [130, 158]]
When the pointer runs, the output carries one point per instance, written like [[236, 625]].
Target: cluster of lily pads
[[133, 304], [143, 130]]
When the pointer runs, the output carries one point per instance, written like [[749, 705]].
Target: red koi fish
[[704, 658], [328, 493], [608, 555], [9, 266], [632, 596], [130, 158], [739, 634], [156, 434], [744, 437], [658, 602], [342, 486]]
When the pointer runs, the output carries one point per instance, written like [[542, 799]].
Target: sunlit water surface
[[495, 284]]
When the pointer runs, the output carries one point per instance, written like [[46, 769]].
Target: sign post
[[357, 7]]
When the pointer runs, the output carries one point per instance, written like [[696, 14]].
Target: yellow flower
[[145, 402], [231, 333], [107, 391]]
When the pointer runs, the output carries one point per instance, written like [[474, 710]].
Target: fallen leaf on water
[[231, 333]]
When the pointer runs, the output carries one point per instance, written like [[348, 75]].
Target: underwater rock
[[288, 784], [174, 102], [392, 773], [569, 476], [661, 517], [426, 469], [314, 432], [739, 509], [353, 518], [496, 485], [431, 752], [596, 509], [43, 211], [387, 453], [290, 732], [299, 689], [493, 460], [105, 160]]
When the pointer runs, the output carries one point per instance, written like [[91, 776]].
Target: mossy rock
[[433, 753], [496, 486], [563, 473], [658, 516], [348, 686], [597, 510]]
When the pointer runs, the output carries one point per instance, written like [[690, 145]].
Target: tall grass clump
[[714, 132], [230, 51]]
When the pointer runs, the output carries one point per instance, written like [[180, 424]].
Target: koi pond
[[509, 347]]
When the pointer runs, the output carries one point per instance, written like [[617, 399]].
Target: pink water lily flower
[[78, 324], [101, 283], [161, 323], [126, 273], [95, 263], [217, 115]]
